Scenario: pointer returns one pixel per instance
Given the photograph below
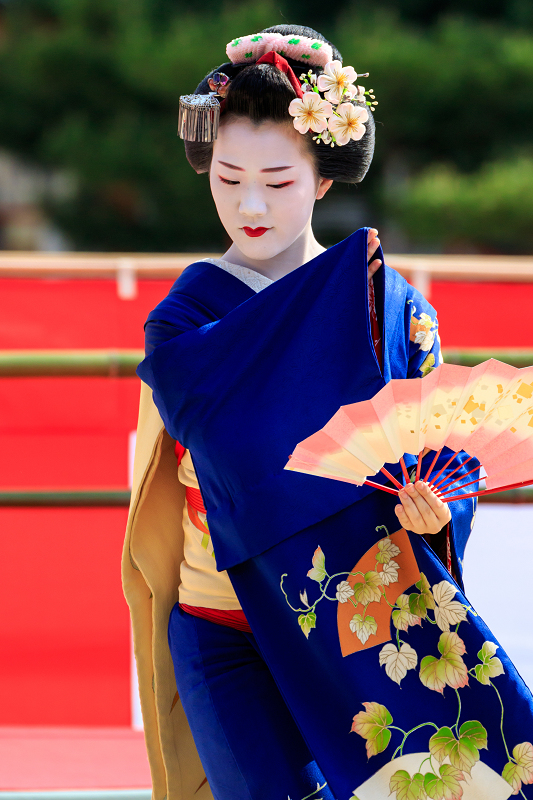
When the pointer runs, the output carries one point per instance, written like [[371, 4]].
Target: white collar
[[250, 277]]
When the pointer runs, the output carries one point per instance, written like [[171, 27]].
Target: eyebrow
[[268, 169]]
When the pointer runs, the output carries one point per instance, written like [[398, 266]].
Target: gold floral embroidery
[[428, 365], [421, 331]]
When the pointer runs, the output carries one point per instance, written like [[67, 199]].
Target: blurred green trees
[[92, 86], [456, 107]]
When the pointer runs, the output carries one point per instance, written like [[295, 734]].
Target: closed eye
[[279, 185], [230, 183]]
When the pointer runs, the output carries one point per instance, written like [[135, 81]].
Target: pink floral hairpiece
[[339, 116], [250, 48]]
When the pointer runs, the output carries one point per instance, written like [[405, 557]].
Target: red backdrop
[[64, 627]]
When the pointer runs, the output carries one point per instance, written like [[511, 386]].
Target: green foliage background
[[92, 86]]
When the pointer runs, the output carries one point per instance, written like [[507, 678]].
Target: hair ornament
[[339, 116], [219, 83], [300, 48], [199, 117], [199, 114]]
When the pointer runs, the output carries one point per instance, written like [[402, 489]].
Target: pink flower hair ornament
[[339, 116]]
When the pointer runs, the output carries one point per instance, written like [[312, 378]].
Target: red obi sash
[[230, 618]]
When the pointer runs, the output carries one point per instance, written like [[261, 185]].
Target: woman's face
[[264, 186]]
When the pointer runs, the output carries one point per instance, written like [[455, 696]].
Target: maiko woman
[[317, 632]]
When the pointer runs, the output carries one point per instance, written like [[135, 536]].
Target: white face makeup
[[264, 186]]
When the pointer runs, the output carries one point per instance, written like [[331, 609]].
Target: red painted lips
[[255, 231]]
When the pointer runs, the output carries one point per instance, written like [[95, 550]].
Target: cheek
[[215, 185], [297, 204], [221, 197]]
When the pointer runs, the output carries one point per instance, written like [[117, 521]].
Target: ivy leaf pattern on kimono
[[389, 573], [369, 587], [520, 770], [407, 787], [363, 627], [368, 590], [318, 789], [449, 669], [387, 550], [307, 622], [304, 598], [372, 724], [397, 661], [446, 785], [344, 592], [490, 666], [463, 752], [420, 603], [402, 617], [318, 572], [448, 611], [453, 751]]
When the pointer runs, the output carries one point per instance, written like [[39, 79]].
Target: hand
[[421, 511], [373, 244]]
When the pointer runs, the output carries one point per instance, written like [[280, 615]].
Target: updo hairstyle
[[261, 93]]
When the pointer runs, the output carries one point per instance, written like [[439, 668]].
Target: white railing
[[127, 268]]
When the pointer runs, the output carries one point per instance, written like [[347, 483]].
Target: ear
[[323, 186]]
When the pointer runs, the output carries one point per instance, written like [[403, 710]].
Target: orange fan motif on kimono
[[486, 410]]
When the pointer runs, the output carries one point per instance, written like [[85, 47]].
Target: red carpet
[[72, 758]]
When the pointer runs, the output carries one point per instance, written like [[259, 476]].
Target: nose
[[252, 202]]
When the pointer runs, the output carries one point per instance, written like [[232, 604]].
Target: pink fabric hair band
[[299, 48]]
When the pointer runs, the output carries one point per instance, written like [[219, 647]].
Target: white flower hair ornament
[[310, 112], [339, 116]]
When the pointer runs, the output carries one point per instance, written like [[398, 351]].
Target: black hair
[[261, 92]]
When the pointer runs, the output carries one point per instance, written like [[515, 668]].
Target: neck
[[303, 249]]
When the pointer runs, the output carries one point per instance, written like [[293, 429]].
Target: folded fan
[[486, 410]]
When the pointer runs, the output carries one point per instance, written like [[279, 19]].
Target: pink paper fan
[[486, 410]]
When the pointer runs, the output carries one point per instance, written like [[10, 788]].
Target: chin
[[260, 248]]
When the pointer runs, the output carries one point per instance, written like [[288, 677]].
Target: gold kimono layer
[[153, 552], [152, 556]]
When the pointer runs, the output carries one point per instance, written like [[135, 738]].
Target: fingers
[[410, 513], [373, 244], [373, 268], [440, 509], [421, 510]]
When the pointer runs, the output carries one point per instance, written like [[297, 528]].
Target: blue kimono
[[394, 682]]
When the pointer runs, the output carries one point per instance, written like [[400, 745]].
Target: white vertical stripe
[[136, 716], [498, 563]]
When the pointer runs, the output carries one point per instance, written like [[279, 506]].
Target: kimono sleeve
[[158, 332], [175, 315], [424, 340]]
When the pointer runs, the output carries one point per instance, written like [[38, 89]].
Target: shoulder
[[176, 313], [202, 293], [182, 289]]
